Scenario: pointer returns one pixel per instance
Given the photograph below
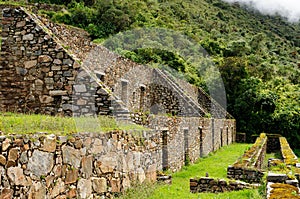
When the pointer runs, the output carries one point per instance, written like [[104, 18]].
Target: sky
[[287, 8]]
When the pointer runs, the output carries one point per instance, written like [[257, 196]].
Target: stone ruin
[[53, 69]]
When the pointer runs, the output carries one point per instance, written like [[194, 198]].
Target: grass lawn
[[215, 164], [12, 123]]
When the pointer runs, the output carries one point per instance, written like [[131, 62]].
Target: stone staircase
[[209, 105], [193, 107]]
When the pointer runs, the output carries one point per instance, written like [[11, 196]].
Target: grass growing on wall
[[12, 123], [215, 164]]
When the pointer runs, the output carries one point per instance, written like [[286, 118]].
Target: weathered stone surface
[[37, 191], [57, 61], [115, 185], [28, 37], [2, 160], [41, 163], [71, 156], [49, 143], [16, 176], [68, 62], [30, 64], [71, 176], [44, 59], [45, 99], [7, 194], [80, 88], [97, 146], [141, 175], [20, 24], [49, 181], [107, 163], [21, 71], [99, 185], [151, 173], [84, 188], [58, 92], [13, 154], [23, 158], [58, 188], [87, 166], [6, 144], [72, 192]]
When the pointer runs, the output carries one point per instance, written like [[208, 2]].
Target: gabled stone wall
[[36, 71]]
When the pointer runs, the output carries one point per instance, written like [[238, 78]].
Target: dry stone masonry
[[211, 185], [86, 165]]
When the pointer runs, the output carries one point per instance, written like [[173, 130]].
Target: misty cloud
[[286, 8]]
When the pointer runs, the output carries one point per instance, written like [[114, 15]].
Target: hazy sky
[[286, 8]]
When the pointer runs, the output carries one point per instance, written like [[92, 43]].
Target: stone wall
[[206, 184], [79, 166], [36, 71], [191, 138], [88, 164], [248, 167]]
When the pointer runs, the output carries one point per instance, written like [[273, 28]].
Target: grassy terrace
[[11, 123], [215, 164]]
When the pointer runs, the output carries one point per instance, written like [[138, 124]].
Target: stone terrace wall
[[79, 166], [85, 164]]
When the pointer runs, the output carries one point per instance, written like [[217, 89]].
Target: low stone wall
[[247, 168], [287, 153], [245, 174], [206, 184], [79, 166], [275, 190]]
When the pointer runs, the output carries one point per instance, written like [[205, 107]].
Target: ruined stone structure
[[53, 69]]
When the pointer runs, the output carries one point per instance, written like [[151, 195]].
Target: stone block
[[30, 64], [16, 176], [13, 154], [71, 156], [58, 188], [7, 194], [45, 99], [72, 176], [84, 188], [28, 37], [115, 185], [2, 160], [49, 143], [87, 166], [40, 163], [99, 185], [44, 59], [58, 92]]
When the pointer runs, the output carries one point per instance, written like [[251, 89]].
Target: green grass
[[215, 164], [12, 123]]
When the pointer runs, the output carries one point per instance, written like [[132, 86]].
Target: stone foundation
[[211, 185]]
